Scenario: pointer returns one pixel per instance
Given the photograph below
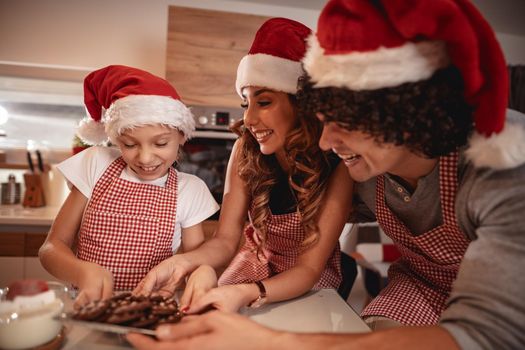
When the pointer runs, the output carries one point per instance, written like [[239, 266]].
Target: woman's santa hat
[[119, 97], [274, 60], [368, 45]]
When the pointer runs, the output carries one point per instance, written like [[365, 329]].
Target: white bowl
[[22, 328]]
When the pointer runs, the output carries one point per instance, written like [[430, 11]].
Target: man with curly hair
[[413, 95], [433, 161]]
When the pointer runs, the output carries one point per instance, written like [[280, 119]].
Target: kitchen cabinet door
[[33, 269], [203, 51]]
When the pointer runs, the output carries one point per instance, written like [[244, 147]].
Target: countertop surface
[[317, 311], [16, 214]]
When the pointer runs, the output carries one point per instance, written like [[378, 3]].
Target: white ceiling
[[505, 16]]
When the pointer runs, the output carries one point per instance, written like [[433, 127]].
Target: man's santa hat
[[274, 60], [120, 97], [368, 45]]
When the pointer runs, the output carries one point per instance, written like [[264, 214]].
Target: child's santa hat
[[368, 45], [120, 97], [274, 60]]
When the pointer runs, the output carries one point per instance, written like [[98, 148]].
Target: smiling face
[[366, 157], [150, 150], [269, 116]]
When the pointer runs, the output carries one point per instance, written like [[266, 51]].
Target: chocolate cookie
[[165, 308], [123, 318], [131, 310], [92, 310], [173, 318], [132, 307], [145, 321]]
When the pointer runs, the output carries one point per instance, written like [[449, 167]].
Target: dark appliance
[[206, 155]]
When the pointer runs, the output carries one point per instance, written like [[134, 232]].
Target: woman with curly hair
[[295, 197]]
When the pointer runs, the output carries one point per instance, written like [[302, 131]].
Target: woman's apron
[[128, 227], [420, 281], [283, 245]]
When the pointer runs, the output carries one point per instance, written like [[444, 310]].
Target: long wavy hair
[[309, 171]]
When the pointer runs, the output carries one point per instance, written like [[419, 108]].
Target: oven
[[206, 155]]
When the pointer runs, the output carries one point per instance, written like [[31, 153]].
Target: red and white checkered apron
[[284, 238], [421, 280], [128, 227]]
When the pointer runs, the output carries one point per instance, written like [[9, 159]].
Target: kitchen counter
[[317, 311], [18, 215]]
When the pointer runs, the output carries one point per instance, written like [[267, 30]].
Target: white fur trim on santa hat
[[138, 110], [504, 150], [91, 132], [382, 68], [268, 71]]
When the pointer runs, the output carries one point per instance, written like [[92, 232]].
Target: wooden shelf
[[20, 166]]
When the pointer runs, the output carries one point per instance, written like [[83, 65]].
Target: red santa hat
[[368, 45], [274, 60], [120, 97]]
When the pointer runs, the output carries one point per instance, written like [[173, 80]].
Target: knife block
[[34, 194]]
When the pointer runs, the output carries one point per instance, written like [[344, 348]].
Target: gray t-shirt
[[486, 309]]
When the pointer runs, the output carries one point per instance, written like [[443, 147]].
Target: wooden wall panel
[[203, 51]]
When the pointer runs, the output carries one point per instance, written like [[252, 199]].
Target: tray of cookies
[[125, 313]]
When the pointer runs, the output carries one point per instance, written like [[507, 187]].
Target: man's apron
[[283, 245], [128, 227], [420, 281]]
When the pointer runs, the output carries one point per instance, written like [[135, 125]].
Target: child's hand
[[225, 298], [201, 281], [95, 282], [165, 277]]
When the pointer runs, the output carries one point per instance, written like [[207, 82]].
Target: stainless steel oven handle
[[224, 135]]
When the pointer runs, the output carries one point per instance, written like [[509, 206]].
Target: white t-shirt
[[195, 203]]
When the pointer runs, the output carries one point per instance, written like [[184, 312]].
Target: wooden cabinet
[[21, 244], [19, 257], [203, 51], [19, 254]]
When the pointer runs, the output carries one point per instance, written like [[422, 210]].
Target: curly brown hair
[[429, 117], [309, 171]]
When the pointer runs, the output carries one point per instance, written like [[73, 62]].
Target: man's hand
[[214, 330]]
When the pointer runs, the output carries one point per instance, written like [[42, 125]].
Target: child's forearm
[[59, 260], [215, 252]]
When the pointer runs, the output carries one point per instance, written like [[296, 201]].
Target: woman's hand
[[201, 281], [165, 277], [225, 298], [94, 283], [214, 330]]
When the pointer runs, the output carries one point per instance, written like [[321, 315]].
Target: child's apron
[[128, 227], [420, 281]]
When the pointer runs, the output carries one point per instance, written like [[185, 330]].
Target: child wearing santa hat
[[413, 95], [128, 209], [280, 181]]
